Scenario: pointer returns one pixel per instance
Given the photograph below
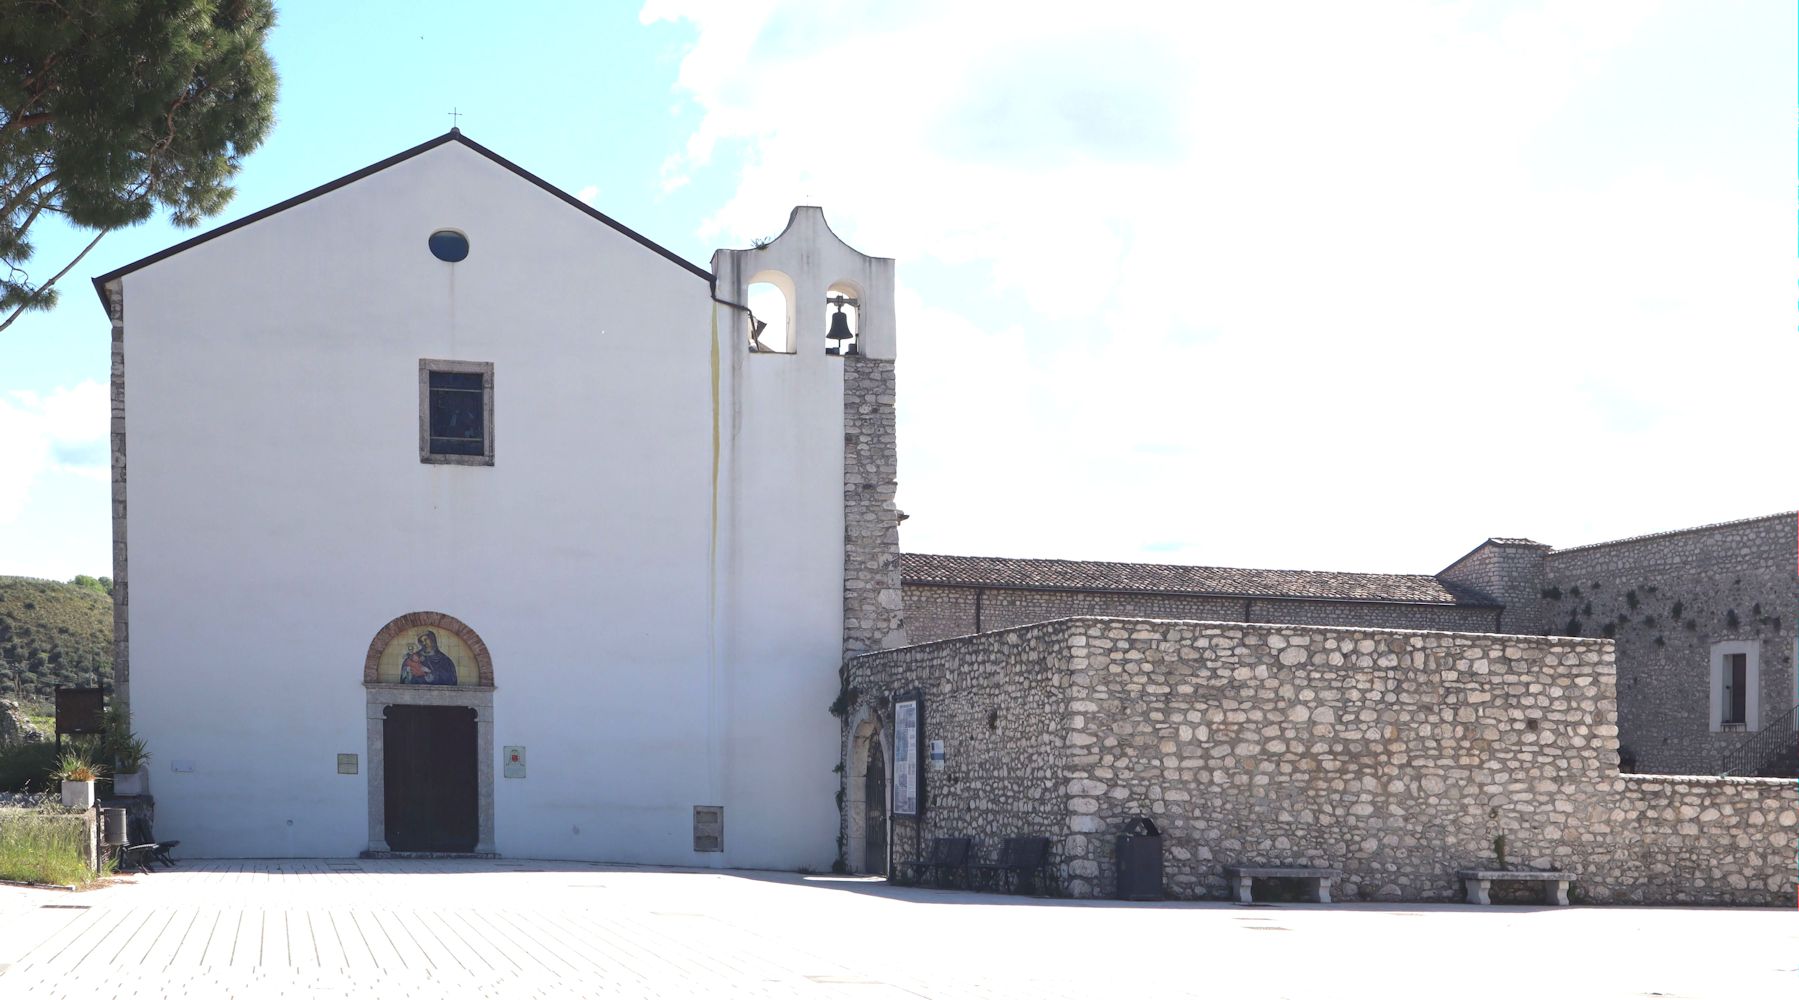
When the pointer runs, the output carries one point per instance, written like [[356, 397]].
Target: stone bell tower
[[840, 328]]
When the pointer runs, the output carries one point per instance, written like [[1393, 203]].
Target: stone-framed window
[[1735, 686], [455, 412]]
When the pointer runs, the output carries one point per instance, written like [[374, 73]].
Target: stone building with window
[[1394, 727], [1702, 617]]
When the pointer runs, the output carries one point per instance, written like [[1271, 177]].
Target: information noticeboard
[[905, 757], [80, 710]]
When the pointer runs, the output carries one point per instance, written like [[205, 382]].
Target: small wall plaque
[[937, 755], [515, 762], [708, 828], [181, 766], [346, 763]]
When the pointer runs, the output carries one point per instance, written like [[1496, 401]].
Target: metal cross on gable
[[455, 118]]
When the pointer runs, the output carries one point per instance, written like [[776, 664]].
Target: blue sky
[[1343, 286]]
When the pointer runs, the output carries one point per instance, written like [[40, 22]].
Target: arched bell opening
[[843, 330], [769, 325]]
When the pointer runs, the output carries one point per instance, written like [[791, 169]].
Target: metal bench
[[949, 856], [1022, 861], [1479, 882], [1242, 878]]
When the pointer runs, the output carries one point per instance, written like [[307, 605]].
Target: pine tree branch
[[42, 203], [21, 118], [37, 293], [13, 203], [27, 121]]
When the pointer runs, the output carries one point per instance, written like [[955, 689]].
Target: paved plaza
[[319, 928]]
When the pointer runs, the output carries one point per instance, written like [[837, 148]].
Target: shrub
[[27, 767], [77, 765]]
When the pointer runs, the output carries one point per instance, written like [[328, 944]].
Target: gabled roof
[[1155, 578], [454, 135]]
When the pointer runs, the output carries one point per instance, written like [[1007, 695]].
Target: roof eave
[[454, 135], [1224, 594]]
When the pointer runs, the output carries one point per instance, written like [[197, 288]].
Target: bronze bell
[[840, 332]]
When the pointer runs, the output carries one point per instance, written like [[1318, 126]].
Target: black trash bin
[[1140, 860], [112, 827]]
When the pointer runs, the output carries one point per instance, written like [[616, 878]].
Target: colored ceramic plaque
[[427, 656]]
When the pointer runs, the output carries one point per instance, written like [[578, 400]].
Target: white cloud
[[587, 194], [1260, 284], [65, 431]]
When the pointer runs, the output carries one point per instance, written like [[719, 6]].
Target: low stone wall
[[1681, 839], [1397, 757]]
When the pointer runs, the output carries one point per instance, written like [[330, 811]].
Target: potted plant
[[77, 774], [129, 755]]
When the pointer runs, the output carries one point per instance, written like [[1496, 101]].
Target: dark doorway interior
[[429, 778], [874, 796]]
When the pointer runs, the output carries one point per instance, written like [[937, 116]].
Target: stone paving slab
[[318, 928]]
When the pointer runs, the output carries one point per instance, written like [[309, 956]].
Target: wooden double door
[[430, 779]]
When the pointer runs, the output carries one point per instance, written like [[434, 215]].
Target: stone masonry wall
[[999, 702], [938, 612], [121, 576], [1509, 572], [1665, 600], [1395, 756], [873, 616]]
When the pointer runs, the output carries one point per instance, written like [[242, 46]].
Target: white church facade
[[453, 517]]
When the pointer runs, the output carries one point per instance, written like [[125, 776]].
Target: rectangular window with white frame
[[1736, 686]]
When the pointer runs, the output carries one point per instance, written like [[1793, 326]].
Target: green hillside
[[53, 633]]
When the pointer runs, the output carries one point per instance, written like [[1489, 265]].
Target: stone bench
[[1243, 877], [1555, 884]]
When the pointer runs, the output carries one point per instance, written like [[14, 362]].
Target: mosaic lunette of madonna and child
[[427, 656]]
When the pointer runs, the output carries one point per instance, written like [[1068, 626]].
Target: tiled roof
[[1064, 574]]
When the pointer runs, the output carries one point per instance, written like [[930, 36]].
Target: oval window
[[449, 245]]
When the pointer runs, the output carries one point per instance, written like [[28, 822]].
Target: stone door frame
[[478, 696], [864, 726], [380, 696]]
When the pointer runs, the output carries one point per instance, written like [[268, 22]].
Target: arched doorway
[[866, 795], [428, 680], [874, 828]]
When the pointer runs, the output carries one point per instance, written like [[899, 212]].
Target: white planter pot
[[128, 783], [78, 794]]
